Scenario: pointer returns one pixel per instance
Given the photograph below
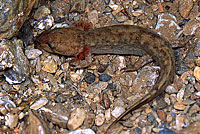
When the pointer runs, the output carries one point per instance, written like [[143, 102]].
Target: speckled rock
[[12, 16], [15, 60]]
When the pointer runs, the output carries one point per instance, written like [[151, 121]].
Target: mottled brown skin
[[117, 39]]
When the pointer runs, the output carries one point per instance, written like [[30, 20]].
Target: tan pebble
[[169, 118], [49, 65], [179, 106], [39, 103], [76, 119], [192, 128], [107, 114], [156, 130], [76, 76], [197, 73], [148, 111], [138, 13], [100, 118], [179, 122]]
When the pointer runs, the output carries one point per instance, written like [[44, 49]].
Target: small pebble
[[100, 118], [117, 111], [89, 78], [137, 130], [171, 89], [105, 77], [49, 65], [169, 118], [179, 106], [148, 111], [39, 103], [33, 53], [82, 131], [76, 119]]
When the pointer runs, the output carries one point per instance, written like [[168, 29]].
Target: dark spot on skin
[[50, 45]]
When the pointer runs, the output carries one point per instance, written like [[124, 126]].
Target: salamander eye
[[50, 45]]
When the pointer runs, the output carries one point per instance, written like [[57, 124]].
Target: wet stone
[[161, 115], [145, 78], [44, 23], [105, 77], [12, 16], [20, 64], [93, 17], [179, 122], [89, 78]]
